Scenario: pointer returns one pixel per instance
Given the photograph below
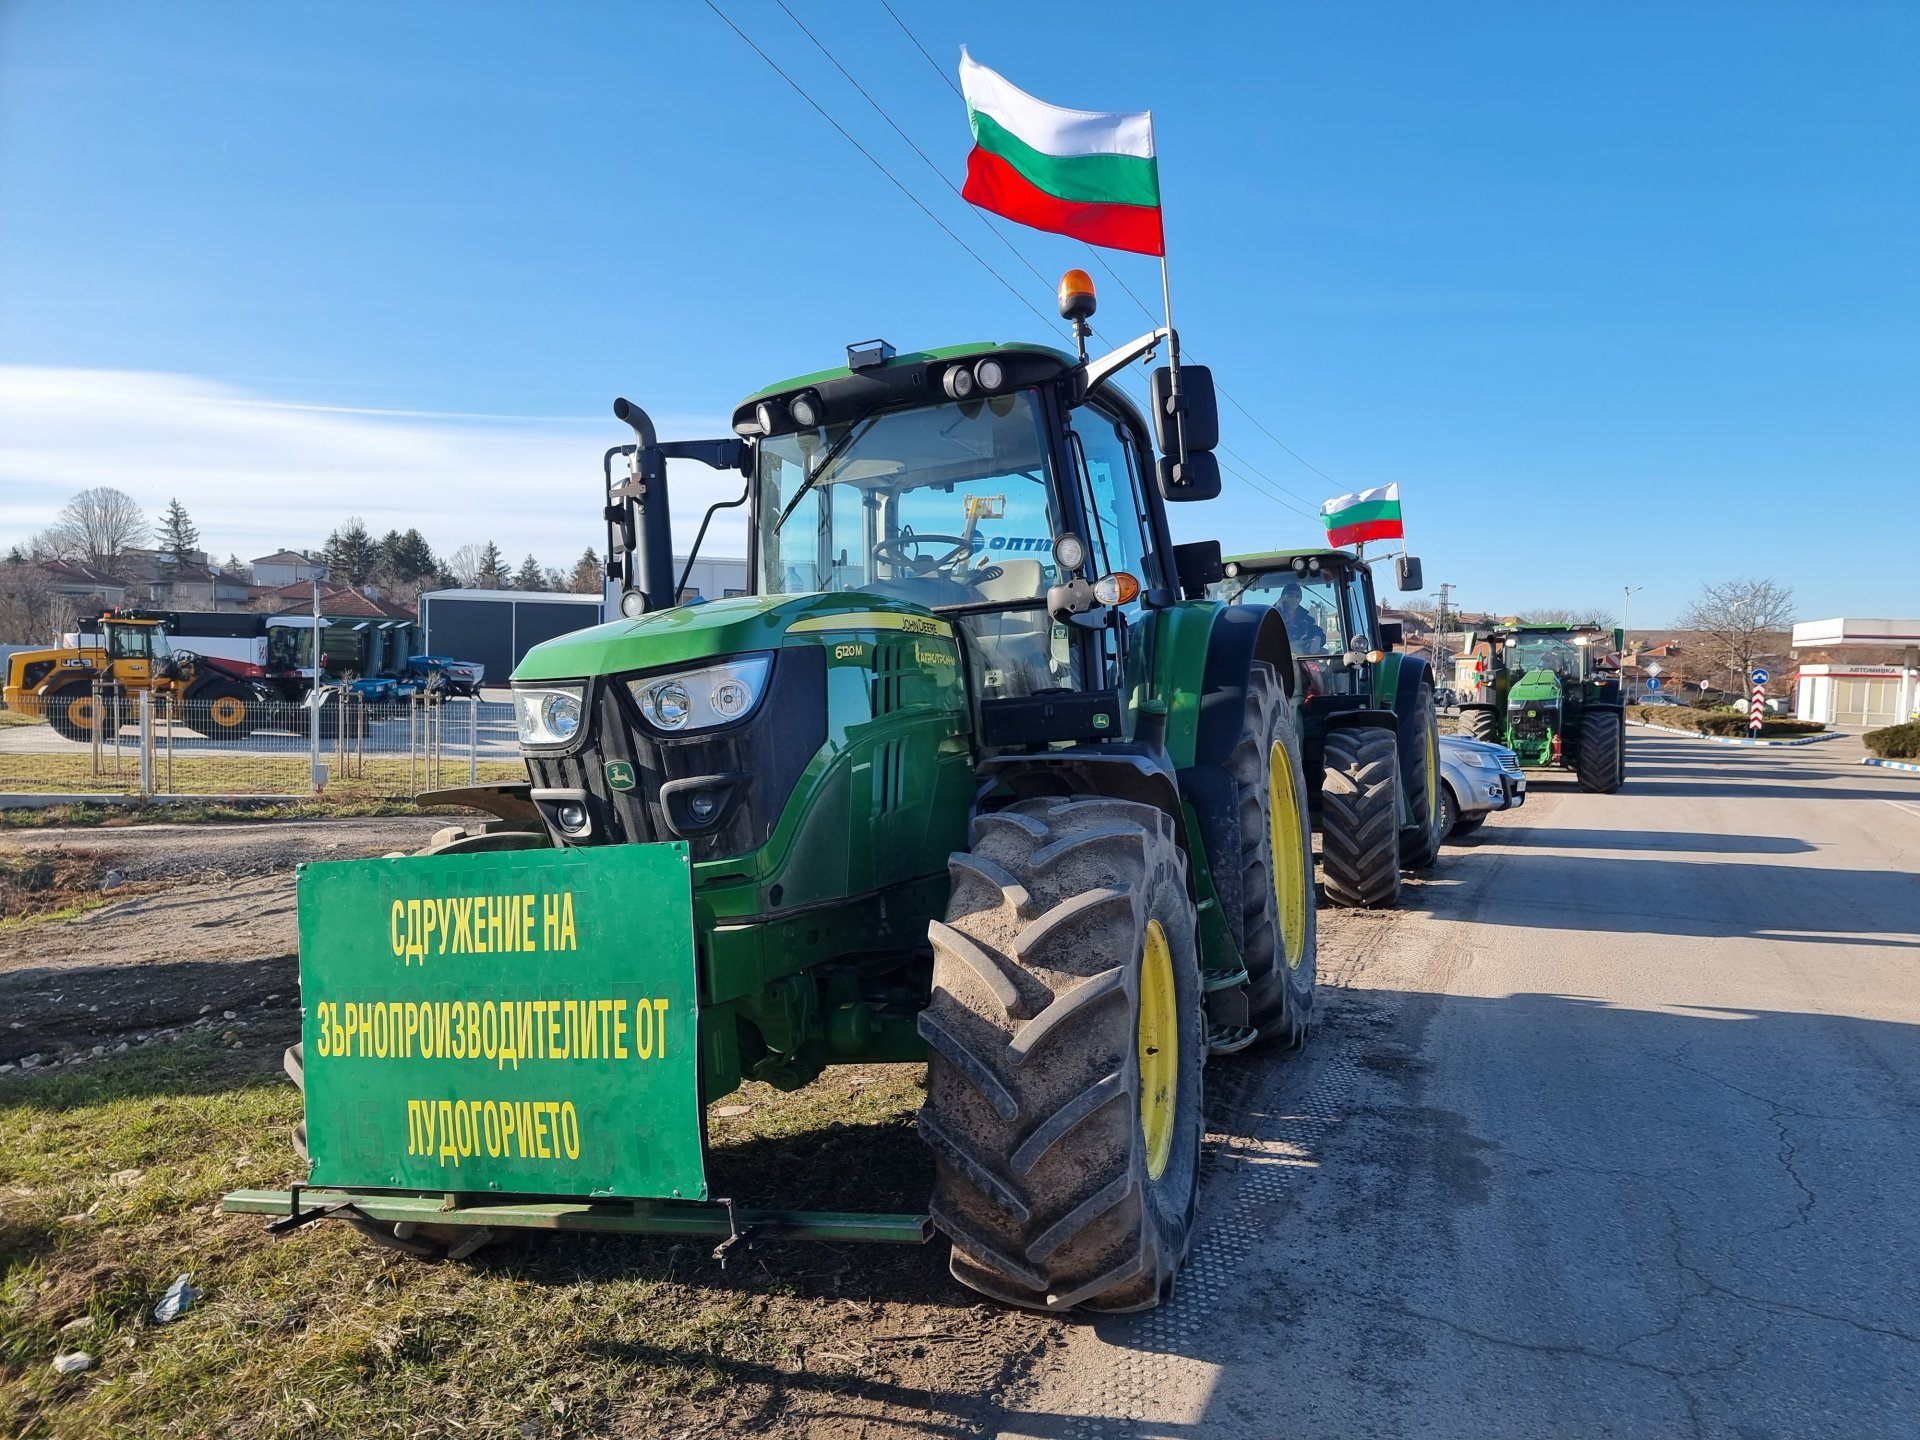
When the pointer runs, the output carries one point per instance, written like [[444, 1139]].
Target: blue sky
[[1619, 295]]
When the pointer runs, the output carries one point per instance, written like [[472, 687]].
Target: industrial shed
[[498, 627]]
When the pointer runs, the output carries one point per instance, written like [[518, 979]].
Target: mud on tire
[[1360, 818], [1044, 1178], [1278, 950]]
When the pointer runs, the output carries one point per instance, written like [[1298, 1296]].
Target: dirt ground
[[206, 926], [190, 965]]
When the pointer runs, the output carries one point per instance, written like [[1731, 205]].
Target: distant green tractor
[[1364, 711], [975, 774], [1549, 696]]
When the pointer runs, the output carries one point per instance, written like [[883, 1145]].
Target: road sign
[[1653, 682], [1654, 668], [1757, 705], [1760, 677]]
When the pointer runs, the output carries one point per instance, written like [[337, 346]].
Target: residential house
[[283, 567]]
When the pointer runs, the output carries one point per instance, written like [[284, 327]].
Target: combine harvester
[[976, 775]]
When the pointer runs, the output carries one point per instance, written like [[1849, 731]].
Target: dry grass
[[235, 775], [322, 1334]]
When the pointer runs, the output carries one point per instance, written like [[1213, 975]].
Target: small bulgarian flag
[[1368, 515], [1083, 173]]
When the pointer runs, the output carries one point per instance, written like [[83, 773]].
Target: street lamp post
[[1627, 593], [316, 779]]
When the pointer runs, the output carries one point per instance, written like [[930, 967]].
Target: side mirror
[[1197, 402], [1196, 478], [1392, 634], [1406, 572], [1197, 563]]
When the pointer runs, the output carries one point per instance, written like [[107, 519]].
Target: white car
[[1476, 779]]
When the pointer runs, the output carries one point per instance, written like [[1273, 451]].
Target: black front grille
[[1534, 720], [765, 754]]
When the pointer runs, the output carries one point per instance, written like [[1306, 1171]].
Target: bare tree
[[1740, 621], [32, 612], [1589, 615], [465, 563], [96, 527]]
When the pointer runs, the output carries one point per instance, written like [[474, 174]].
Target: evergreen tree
[[587, 578], [351, 553], [178, 537], [492, 573], [410, 557], [531, 576]]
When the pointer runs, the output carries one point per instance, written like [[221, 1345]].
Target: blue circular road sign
[[1653, 682], [1759, 676]]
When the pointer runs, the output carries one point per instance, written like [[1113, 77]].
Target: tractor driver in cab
[[1306, 637]]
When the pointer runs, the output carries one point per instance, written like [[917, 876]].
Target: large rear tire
[[425, 1242], [1600, 763], [1420, 779], [1065, 1042], [1481, 725], [1276, 928], [1360, 818]]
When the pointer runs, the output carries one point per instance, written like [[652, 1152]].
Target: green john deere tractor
[[1549, 695], [1364, 712], [975, 775]]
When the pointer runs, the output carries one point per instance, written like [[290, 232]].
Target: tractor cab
[[1326, 599]]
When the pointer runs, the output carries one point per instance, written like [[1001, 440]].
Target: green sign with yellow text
[[520, 1022]]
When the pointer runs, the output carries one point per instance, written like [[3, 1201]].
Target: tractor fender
[[1242, 636], [1397, 680], [1123, 770]]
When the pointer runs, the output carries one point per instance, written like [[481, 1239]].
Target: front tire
[[1360, 818], [75, 714], [1449, 811], [1277, 931], [1600, 763], [1065, 1041], [224, 712]]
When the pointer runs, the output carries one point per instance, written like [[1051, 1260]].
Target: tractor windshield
[[1310, 602], [947, 505], [1555, 652]]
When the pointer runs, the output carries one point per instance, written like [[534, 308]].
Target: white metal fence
[[140, 743]]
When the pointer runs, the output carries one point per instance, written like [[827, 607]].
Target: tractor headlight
[[549, 714], [700, 699]]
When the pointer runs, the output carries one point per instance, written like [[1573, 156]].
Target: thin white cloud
[[260, 474]]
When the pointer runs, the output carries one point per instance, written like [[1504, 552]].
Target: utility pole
[[1441, 614]]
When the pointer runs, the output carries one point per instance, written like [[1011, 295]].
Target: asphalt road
[[1614, 1131]]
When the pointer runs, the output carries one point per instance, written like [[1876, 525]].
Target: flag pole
[[1173, 365]]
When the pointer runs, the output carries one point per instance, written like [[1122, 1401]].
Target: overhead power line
[[921, 205]]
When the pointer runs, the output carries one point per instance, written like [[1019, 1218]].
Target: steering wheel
[[892, 551], [178, 661]]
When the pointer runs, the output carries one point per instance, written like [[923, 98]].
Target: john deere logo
[[1101, 720], [619, 774]]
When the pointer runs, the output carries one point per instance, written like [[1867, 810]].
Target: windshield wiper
[[832, 453]]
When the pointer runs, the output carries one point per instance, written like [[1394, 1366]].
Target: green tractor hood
[[712, 629]]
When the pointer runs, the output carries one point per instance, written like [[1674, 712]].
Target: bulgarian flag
[[1368, 515], [1083, 173]]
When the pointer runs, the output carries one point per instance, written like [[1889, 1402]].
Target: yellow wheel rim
[[1286, 860], [1159, 1048], [228, 710], [85, 712]]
